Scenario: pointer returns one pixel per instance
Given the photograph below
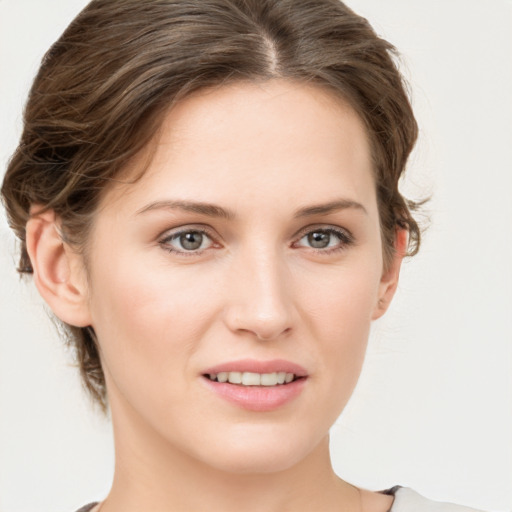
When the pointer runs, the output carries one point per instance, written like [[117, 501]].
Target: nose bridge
[[259, 296]]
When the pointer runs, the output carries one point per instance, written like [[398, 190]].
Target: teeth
[[269, 379], [235, 377], [253, 379]]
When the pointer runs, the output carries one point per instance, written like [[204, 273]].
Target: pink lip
[[258, 398], [252, 365]]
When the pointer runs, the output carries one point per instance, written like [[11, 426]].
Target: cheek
[[339, 310], [149, 320], [340, 302]]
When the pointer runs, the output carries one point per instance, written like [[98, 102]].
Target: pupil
[[318, 240], [191, 241]]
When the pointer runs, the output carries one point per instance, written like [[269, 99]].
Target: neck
[[152, 476]]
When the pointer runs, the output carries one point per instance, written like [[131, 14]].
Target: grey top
[[406, 500]]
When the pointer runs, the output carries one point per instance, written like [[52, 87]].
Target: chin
[[255, 462], [259, 450]]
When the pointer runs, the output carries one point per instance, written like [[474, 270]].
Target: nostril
[[266, 336]]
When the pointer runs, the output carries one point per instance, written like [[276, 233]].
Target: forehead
[[245, 138]]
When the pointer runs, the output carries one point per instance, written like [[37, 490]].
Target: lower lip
[[257, 398]]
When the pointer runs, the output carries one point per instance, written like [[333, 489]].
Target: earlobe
[[58, 276], [389, 280]]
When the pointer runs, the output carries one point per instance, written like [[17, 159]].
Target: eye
[[326, 239], [187, 241]]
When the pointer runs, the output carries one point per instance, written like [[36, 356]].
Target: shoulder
[[407, 500]]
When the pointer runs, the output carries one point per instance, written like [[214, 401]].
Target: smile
[[259, 386], [252, 378]]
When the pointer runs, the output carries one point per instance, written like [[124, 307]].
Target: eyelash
[[344, 236], [164, 242]]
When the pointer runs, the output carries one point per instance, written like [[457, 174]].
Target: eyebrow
[[212, 210], [331, 207]]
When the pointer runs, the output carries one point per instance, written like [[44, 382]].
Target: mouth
[[253, 379], [257, 385]]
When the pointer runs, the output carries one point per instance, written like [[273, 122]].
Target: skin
[[256, 289]]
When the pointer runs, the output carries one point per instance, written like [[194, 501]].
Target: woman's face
[[250, 250]]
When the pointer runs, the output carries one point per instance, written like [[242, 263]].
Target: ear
[[59, 273], [389, 281]]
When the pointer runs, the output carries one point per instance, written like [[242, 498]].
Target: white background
[[433, 409]]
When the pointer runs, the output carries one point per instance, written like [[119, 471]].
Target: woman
[[206, 194]]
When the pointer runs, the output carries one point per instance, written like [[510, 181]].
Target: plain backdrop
[[433, 408]]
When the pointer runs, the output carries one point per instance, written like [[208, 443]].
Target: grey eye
[[187, 241], [325, 238], [319, 239], [191, 241]]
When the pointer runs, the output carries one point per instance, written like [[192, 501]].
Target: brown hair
[[104, 86]]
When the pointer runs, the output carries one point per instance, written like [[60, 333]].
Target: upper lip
[[255, 366]]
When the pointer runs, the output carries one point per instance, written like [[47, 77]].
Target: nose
[[258, 297]]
